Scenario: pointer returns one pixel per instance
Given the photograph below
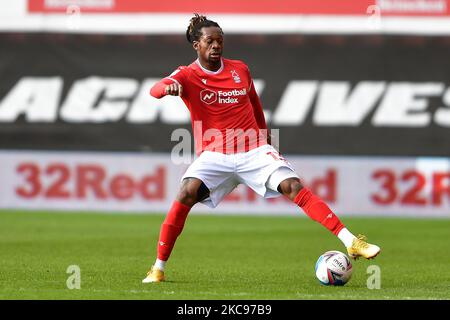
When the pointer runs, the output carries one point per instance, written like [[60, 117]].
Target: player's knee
[[188, 193], [290, 187], [187, 197]]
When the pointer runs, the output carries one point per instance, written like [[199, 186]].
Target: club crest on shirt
[[235, 76]]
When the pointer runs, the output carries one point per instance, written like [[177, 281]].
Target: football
[[333, 268]]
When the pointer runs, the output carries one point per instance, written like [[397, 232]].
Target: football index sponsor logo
[[231, 96], [208, 96], [227, 97]]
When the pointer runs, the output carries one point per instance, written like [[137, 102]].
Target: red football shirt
[[226, 112]]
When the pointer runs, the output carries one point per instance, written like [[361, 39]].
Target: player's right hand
[[174, 89]]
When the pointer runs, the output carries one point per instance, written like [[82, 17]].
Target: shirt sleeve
[[257, 105], [158, 90], [178, 76]]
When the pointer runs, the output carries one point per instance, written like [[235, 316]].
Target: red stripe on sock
[[318, 210], [171, 229]]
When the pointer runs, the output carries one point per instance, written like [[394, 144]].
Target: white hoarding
[[142, 182]]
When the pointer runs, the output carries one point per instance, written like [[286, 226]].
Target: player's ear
[[195, 45]]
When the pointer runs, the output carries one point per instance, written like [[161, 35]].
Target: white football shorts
[[262, 169]]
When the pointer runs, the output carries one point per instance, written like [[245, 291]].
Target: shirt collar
[[209, 71]]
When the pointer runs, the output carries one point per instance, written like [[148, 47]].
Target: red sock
[[317, 210], [171, 229]]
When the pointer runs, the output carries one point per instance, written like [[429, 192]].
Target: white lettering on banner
[[295, 103], [35, 97], [132, 182], [405, 104], [113, 93], [442, 116], [336, 107], [338, 103], [97, 4], [146, 109], [416, 6]]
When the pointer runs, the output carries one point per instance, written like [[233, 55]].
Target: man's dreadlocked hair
[[197, 22]]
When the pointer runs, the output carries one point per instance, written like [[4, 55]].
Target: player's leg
[[313, 206], [319, 211], [269, 174], [192, 190], [207, 180]]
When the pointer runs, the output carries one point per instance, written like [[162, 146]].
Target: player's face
[[210, 45]]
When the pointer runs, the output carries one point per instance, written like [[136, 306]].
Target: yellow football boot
[[360, 248], [154, 275]]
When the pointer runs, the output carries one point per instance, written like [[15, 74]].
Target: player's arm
[[171, 85], [166, 87], [257, 107], [258, 110]]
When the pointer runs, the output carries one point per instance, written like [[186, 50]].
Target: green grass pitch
[[216, 257]]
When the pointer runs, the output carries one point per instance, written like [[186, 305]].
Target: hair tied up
[[196, 23]]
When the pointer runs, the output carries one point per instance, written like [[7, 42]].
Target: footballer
[[232, 145]]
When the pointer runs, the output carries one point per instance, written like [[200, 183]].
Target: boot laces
[[150, 271], [361, 243]]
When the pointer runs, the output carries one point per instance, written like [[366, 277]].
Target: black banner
[[336, 95]]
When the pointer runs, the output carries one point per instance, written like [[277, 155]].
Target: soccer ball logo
[[333, 268]]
